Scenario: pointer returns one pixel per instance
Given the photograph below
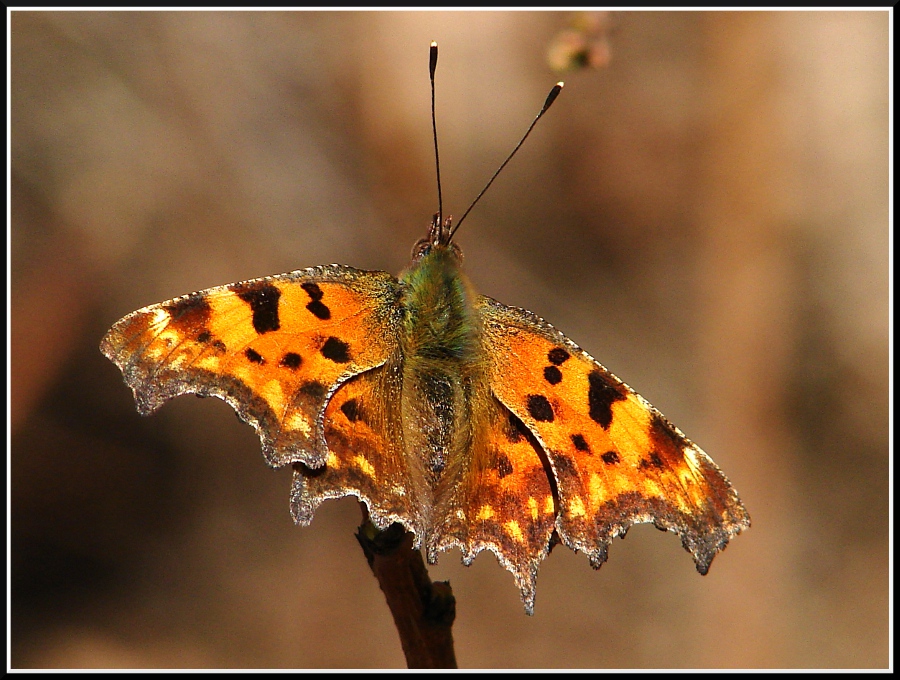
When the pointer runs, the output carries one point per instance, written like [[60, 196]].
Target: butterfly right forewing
[[616, 459]]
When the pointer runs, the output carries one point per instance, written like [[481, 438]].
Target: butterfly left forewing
[[274, 348], [616, 459]]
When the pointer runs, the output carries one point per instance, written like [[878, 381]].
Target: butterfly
[[472, 424]]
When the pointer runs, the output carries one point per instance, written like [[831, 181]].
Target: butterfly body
[[441, 356]]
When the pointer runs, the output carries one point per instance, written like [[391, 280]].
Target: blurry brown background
[[707, 215]]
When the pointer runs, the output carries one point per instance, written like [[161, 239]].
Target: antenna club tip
[[551, 97], [560, 84], [432, 62]]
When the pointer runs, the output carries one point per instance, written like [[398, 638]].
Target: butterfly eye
[[422, 248], [457, 252]]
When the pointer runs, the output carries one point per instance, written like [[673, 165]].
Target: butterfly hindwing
[[274, 348], [365, 455], [500, 498], [617, 461]]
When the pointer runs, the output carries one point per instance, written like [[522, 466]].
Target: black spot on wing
[[315, 305], [336, 350], [191, 311], [552, 375], [557, 356], [580, 443], [313, 389], [610, 458], [319, 310], [504, 467], [312, 289], [204, 337], [603, 392], [254, 356], [219, 346], [352, 410], [515, 429], [291, 360], [539, 408], [653, 460], [263, 301]]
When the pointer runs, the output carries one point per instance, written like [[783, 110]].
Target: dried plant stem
[[423, 610]]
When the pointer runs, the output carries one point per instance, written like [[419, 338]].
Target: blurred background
[[705, 210]]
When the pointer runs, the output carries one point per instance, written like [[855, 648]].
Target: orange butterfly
[[472, 424]]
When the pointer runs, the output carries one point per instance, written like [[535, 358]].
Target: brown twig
[[423, 610]]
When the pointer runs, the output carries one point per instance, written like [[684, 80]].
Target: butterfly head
[[438, 239]]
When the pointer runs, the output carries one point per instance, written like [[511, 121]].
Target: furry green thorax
[[441, 326]]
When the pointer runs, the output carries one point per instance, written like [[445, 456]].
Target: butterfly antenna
[[554, 93], [432, 65]]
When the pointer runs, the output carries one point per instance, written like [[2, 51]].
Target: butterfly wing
[[498, 497], [274, 348], [617, 461], [365, 455]]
